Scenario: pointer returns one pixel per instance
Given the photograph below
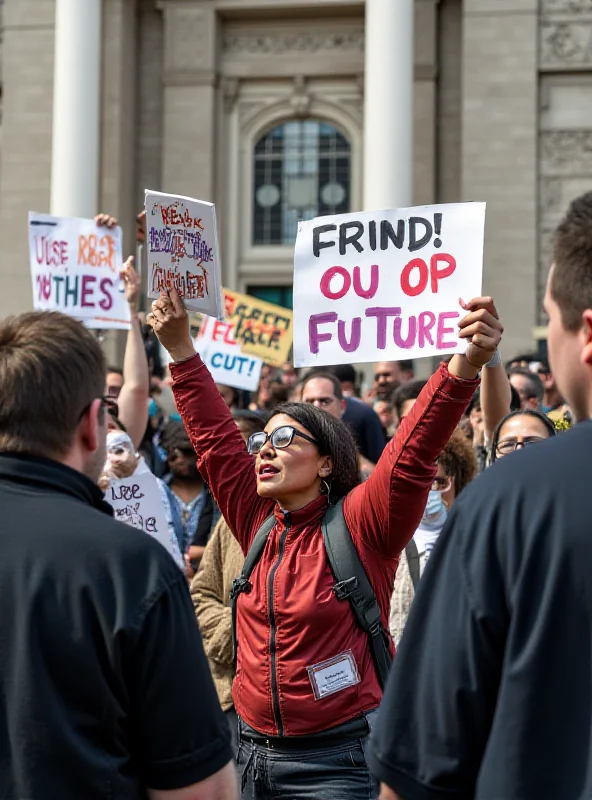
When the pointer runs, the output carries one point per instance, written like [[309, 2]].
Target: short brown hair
[[51, 369], [571, 282], [459, 461]]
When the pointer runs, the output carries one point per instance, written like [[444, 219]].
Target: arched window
[[301, 170]]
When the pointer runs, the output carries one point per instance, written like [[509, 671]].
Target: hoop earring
[[326, 486]]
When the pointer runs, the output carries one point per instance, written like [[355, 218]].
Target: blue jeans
[[325, 773]]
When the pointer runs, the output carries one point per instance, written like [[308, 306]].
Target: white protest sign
[[229, 366], [385, 285], [137, 501], [75, 269], [182, 251]]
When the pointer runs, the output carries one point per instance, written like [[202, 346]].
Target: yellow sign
[[262, 329]]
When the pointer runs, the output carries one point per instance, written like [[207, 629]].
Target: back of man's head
[[571, 281], [529, 386], [51, 370]]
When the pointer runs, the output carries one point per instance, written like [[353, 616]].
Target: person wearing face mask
[[457, 467], [307, 687]]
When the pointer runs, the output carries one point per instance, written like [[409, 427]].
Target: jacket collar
[[311, 514], [47, 474]]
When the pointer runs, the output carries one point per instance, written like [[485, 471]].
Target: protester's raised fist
[[170, 322], [482, 328]]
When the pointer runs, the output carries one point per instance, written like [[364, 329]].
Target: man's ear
[[587, 336], [91, 425]]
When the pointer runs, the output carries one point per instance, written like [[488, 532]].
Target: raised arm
[[221, 454], [496, 397], [134, 396], [386, 510]]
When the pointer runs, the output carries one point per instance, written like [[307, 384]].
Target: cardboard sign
[[228, 365], [182, 251], [385, 285], [137, 502], [262, 329], [75, 269]]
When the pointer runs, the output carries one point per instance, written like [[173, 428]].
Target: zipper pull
[[286, 519]]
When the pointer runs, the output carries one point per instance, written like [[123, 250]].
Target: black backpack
[[351, 583]]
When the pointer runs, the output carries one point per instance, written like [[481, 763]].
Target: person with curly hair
[[457, 467], [306, 688]]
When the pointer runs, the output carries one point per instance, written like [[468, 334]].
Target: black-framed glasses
[[280, 438], [509, 445], [110, 405]]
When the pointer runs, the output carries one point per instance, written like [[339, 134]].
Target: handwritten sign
[[385, 285], [182, 251], [75, 269], [137, 501], [230, 366], [262, 329]]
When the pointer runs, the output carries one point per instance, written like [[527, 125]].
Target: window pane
[[301, 169]]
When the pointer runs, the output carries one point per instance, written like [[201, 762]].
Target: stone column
[[190, 38], [388, 104], [499, 152], [76, 108], [25, 156]]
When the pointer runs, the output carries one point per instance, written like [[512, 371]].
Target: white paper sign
[[385, 285], [182, 251], [137, 501], [229, 366], [75, 269]]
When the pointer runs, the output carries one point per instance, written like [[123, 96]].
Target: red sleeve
[[222, 457], [384, 512]]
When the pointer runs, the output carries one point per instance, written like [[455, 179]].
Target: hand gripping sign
[[385, 285]]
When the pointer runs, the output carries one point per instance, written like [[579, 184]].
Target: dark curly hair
[[174, 437], [529, 412], [459, 461], [335, 440]]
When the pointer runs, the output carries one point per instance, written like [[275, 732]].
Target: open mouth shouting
[[267, 471]]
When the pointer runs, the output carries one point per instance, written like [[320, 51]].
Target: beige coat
[[221, 563]]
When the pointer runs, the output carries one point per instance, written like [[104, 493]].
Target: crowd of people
[[357, 591]]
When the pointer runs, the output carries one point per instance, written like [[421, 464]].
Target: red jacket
[[291, 619]]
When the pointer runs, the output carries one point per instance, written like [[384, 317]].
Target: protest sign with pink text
[[385, 285], [75, 269], [182, 251]]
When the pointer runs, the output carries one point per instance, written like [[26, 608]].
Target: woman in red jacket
[[297, 739]]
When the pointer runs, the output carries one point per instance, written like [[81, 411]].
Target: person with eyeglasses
[[518, 430], [306, 689]]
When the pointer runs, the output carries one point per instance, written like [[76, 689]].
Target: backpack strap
[[353, 585], [413, 561], [242, 583]]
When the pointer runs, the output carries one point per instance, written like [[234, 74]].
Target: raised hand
[[105, 221], [132, 283], [170, 323], [482, 328]]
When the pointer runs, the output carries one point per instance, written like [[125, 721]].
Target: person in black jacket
[[104, 687], [489, 696]]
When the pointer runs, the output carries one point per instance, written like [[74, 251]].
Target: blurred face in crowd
[[444, 484], [113, 384], [521, 430], [524, 389], [290, 474], [476, 420], [227, 393], [384, 411], [387, 376], [320, 392], [570, 356], [182, 463], [348, 389], [289, 375]]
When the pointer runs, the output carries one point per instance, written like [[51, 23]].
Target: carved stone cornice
[[549, 7], [566, 153], [255, 44]]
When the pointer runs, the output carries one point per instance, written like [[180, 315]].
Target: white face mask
[[435, 508]]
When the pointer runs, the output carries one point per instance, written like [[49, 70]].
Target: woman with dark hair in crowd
[[520, 429], [306, 685]]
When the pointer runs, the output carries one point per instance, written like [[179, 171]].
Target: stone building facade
[[258, 105]]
